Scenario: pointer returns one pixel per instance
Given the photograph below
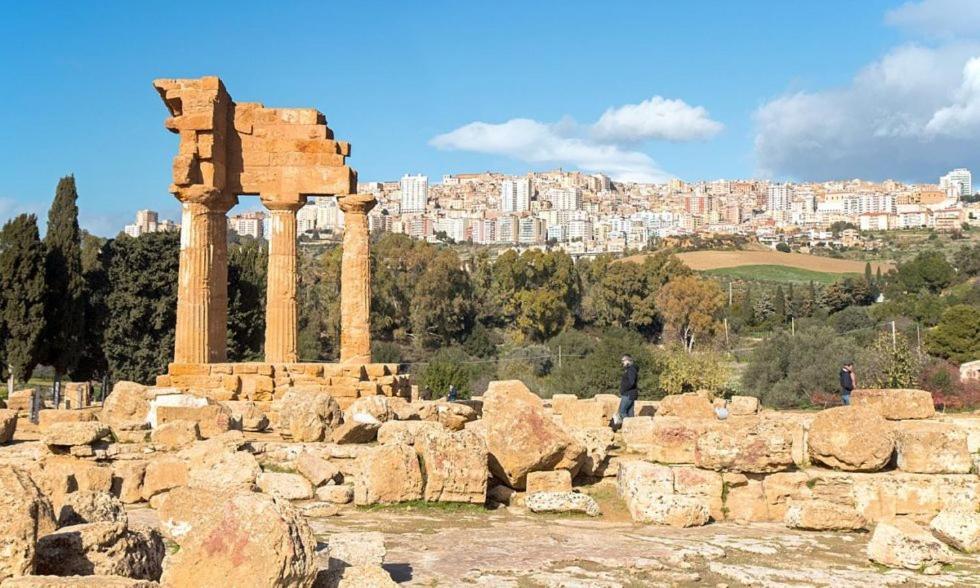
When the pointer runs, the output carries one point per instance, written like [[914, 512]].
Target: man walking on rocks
[[847, 382], [627, 389]]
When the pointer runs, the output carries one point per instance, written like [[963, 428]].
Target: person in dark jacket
[[847, 382], [628, 390]]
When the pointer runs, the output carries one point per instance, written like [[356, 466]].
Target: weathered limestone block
[[820, 515], [455, 466], [896, 404], [556, 481], [932, 448], [743, 405], [181, 509], [162, 474], [675, 439], [223, 470], [388, 474], [163, 398], [638, 434], [745, 500], [284, 485], [66, 434], [851, 438], [212, 420], [47, 417], [561, 501], [451, 415], [355, 577], [782, 489], [960, 529], [342, 494], [755, 445], [690, 405], [8, 425], [703, 484], [407, 431], [243, 539], [363, 428], [175, 434], [647, 490], [317, 470], [25, 515], [377, 407], [127, 480], [522, 438], [900, 543], [248, 414], [107, 549], [86, 506], [353, 550], [256, 387], [127, 407], [559, 402], [585, 414], [596, 443], [307, 415]]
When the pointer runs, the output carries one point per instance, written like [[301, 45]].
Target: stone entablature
[[265, 382]]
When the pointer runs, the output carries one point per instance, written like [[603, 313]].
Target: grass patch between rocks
[[422, 505]]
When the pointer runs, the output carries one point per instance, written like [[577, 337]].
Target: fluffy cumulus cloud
[[937, 18], [910, 115], [606, 146]]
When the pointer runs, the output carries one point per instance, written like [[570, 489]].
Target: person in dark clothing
[[847, 382], [627, 389]]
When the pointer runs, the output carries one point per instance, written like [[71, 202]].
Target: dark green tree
[[442, 307], [957, 336], [93, 364], [928, 271], [142, 305], [64, 306], [247, 265], [22, 296], [779, 306]]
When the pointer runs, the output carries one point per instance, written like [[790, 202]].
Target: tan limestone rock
[[783, 488], [407, 431], [637, 434], [86, 506], [182, 508], [106, 548], [452, 415], [743, 405], [959, 529], [127, 480], [162, 474], [212, 419], [559, 402], [926, 447], [596, 443], [285, 485], [78, 582], [127, 407], [243, 539], [66, 434], [248, 414], [704, 484], [675, 439], [361, 430], [342, 494], [648, 491], [820, 515], [388, 474], [557, 501], [8, 425], [745, 500], [358, 548], [47, 417], [900, 543], [752, 444], [851, 438], [896, 404], [585, 414], [317, 470], [360, 576], [25, 515], [455, 466], [378, 407], [307, 415], [690, 405], [521, 437], [223, 470], [175, 434], [556, 481]]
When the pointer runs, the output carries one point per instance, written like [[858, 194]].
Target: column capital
[[356, 203], [208, 196], [280, 203]]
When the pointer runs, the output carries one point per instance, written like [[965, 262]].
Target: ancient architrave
[[282, 155]]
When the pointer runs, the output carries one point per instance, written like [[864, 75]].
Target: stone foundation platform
[[265, 382]]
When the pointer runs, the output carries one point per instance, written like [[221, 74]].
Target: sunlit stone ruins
[[292, 474]]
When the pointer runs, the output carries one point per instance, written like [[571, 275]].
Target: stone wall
[[265, 382]]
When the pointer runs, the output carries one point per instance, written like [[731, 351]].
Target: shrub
[[449, 366], [689, 372]]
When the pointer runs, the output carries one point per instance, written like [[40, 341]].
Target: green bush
[[449, 366]]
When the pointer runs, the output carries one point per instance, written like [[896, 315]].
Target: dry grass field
[[709, 260]]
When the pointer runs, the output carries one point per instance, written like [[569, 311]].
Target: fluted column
[[281, 324], [355, 280], [202, 288]]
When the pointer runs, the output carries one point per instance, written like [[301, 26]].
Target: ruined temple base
[[265, 382]]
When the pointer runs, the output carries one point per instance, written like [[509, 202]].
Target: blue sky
[[693, 90]]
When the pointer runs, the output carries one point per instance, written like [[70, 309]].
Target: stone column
[[355, 280], [202, 289], [281, 324]]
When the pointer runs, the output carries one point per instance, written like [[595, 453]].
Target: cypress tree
[[779, 306], [92, 364], [867, 274], [65, 305], [22, 295]]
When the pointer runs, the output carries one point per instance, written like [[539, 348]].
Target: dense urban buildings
[[589, 213], [148, 221]]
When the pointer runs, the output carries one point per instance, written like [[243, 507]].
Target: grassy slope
[[776, 273]]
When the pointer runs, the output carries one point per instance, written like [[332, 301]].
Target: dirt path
[[707, 260]]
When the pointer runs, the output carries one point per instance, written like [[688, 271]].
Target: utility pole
[[918, 340], [792, 325], [894, 341], [729, 293], [727, 344], [559, 356]]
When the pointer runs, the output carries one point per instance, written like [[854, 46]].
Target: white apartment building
[[329, 217], [515, 195], [148, 221], [306, 218], [414, 193], [778, 197], [249, 224], [957, 183], [565, 198]]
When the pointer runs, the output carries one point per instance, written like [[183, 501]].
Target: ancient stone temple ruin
[[284, 156]]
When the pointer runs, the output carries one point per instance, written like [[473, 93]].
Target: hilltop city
[[586, 214]]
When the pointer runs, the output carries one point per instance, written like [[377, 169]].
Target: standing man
[[627, 389], [847, 382]]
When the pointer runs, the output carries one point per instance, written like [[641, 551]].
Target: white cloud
[[937, 18], [656, 118], [600, 147], [910, 115]]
